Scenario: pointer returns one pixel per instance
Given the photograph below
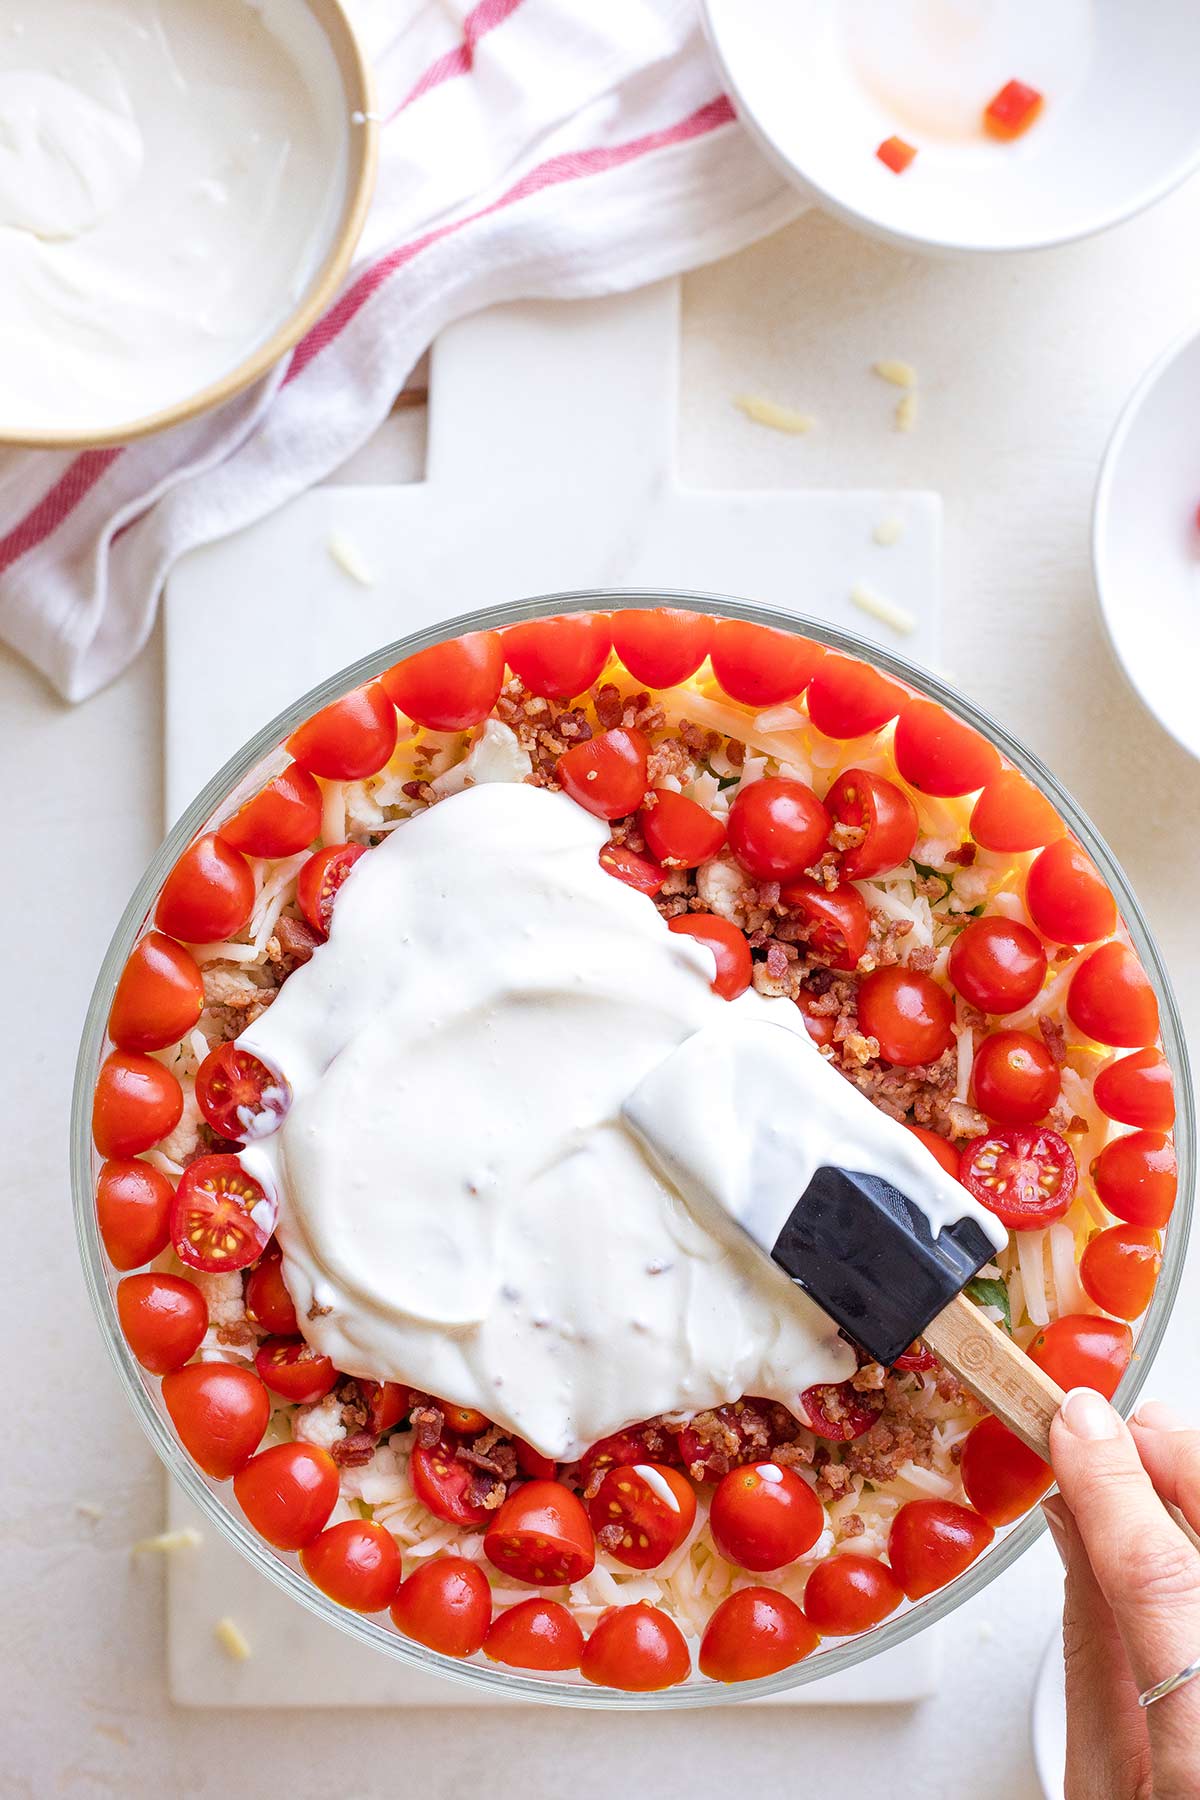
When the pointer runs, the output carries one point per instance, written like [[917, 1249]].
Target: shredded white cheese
[[900, 374], [1031, 1254], [87, 1509], [347, 557], [906, 412], [886, 611], [333, 812], [187, 1538], [779, 418], [232, 1640], [888, 532]]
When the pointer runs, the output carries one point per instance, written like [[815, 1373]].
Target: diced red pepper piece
[[895, 154], [1012, 111]]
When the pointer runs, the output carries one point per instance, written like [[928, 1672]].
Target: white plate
[[1048, 1721]]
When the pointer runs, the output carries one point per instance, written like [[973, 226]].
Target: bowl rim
[[362, 141], [207, 1495]]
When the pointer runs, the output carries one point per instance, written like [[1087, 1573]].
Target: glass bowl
[[241, 776]]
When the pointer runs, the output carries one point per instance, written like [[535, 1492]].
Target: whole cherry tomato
[[606, 775], [541, 1535], [294, 1370], [133, 1211], [136, 1103], [450, 686], [1138, 1090], [1111, 999], [1119, 1268], [532, 1462], [1026, 1177], [636, 1648], [933, 1541], [356, 1563], [680, 832], [281, 820], [209, 894], [998, 965], [846, 1594], [884, 814], [661, 646], [907, 1013], [764, 1516], [320, 880], [642, 1513], [1081, 1350], [446, 1605], [239, 1096], [268, 1302], [636, 871], [939, 754], [728, 945], [839, 914], [535, 1634], [559, 657], [837, 1411], [940, 1147], [777, 827], [350, 738], [221, 1218], [1014, 1078], [848, 698], [1011, 815], [287, 1493], [220, 1411], [463, 1421], [442, 1484], [164, 1319], [752, 1633], [1136, 1177], [636, 1444], [160, 995], [1066, 895], [1001, 1477], [760, 666]]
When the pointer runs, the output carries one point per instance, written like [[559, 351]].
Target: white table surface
[[1023, 366]]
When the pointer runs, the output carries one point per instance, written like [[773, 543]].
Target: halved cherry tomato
[[559, 657], [998, 964], [356, 1563], [840, 915], [1082, 1350], [728, 945], [819, 1025], [287, 1493], [848, 698], [837, 1411], [642, 1513], [907, 1013], [284, 818], [1001, 1477], [319, 880], [541, 1535], [916, 1359], [1120, 1267], [607, 775], [163, 1317], [350, 738], [679, 831], [450, 686], [1066, 895], [221, 1218], [1011, 815], [446, 1605], [208, 895], [387, 1403], [884, 812], [1026, 1177], [220, 1411], [760, 666], [636, 1444], [294, 1370], [939, 754], [635, 870], [1111, 999], [160, 995], [777, 827], [535, 1634], [755, 1632], [463, 1421], [1136, 1177], [1138, 1090], [661, 645], [442, 1485], [1012, 111], [532, 1462], [848, 1593], [268, 1302], [636, 1648], [764, 1516], [932, 1541], [747, 1433], [945, 1152], [1014, 1078], [136, 1103], [239, 1095], [133, 1211]]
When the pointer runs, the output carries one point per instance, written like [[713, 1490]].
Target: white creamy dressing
[[170, 175], [464, 1206]]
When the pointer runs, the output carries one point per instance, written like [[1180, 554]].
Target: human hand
[[1132, 1612]]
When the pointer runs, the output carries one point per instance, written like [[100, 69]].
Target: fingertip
[[1088, 1417]]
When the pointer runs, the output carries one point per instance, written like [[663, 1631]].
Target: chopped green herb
[[727, 781], [991, 1293]]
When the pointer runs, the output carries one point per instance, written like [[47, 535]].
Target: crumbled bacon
[[427, 1422], [964, 856], [292, 942], [1054, 1037], [700, 741], [353, 1451]]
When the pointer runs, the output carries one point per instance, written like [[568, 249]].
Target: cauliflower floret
[[383, 1479], [320, 1424], [223, 1295], [721, 885], [185, 1139], [363, 813], [970, 889], [495, 755]]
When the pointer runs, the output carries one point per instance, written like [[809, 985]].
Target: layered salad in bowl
[[432, 1288]]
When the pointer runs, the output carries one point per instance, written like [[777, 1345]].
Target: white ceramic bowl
[[821, 83]]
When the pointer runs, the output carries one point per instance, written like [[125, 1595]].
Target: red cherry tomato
[[748, 1432], [163, 1318], [763, 1516], [1111, 999], [221, 1218], [607, 775], [356, 1563], [777, 827], [387, 1403], [760, 666], [661, 645], [1001, 1477], [133, 1211], [680, 832], [908, 1014], [839, 914], [287, 1493], [160, 996], [998, 965], [916, 1358], [819, 1025], [1011, 815], [1119, 1269], [136, 1103], [541, 1535], [1014, 1078], [463, 1421], [945, 1152], [350, 738], [450, 686], [209, 894], [637, 1444], [636, 1648], [238, 1095], [319, 880], [939, 754], [531, 1462], [446, 1605], [442, 1485], [636, 871], [1136, 1177], [848, 698], [642, 1513], [535, 1634], [755, 1632], [883, 812], [268, 1302], [1067, 898], [728, 945], [284, 818], [1026, 1177], [559, 657], [294, 1370], [1138, 1090], [837, 1411], [932, 1541], [1081, 1350], [846, 1594], [220, 1411]]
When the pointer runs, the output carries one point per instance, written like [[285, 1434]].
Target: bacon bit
[[895, 154], [1054, 1037], [852, 1526], [1012, 111], [427, 1422], [777, 961], [317, 1312], [735, 752], [354, 1451], [964, 856], [923, 956], [696, 738]]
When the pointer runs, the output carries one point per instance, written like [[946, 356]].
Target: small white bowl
[[821, 83], [1146, 540]]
